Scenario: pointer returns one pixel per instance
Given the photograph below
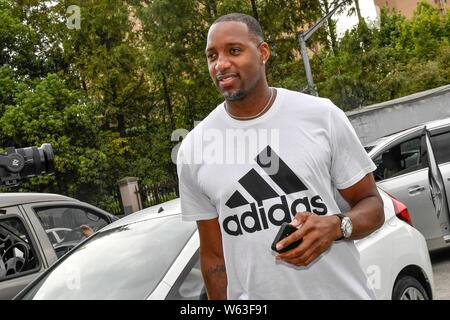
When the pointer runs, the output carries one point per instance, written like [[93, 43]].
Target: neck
[[252, 104]]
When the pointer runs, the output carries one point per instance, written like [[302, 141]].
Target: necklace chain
[[255, 116]]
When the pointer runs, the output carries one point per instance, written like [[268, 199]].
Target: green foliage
[[52, 113], [17, 41], [399, 58]]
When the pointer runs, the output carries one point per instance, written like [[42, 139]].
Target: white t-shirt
[[255, 174]]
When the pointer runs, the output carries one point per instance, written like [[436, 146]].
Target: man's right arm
[[211, 259]]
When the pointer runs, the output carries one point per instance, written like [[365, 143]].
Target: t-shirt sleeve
[[195, 205], [350, 161]]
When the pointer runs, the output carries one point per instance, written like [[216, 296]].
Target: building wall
[[381, 119], [407, 7]]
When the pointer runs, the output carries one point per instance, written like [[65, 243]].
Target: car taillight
[[401, 211]]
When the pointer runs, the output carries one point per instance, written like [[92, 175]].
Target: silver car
[[35, 230], [403, 160]]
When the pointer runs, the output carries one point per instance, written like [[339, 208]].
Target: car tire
[[409, 288]]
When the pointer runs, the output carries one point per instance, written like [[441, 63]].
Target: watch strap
[[341, 217]]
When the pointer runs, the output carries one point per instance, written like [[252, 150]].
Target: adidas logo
[[258, 218]]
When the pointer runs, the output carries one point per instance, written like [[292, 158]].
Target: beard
[[234, 95], [241, 93]]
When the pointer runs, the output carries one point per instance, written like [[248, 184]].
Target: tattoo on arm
[[218, 269], [216, 282]]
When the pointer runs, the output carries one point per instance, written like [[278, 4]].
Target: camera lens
[[37, 160]]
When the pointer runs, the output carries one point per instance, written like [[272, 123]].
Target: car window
[[441, 147], [402, 158], [52, 238], [62, 232], [126, 262], [67, 221], [61, 250], [17, 252]]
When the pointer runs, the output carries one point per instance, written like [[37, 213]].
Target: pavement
[[440, 261]]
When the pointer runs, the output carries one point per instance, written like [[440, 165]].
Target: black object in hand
[[285, 230]]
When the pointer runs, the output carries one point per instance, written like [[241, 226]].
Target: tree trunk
[[358, 10], [190, 113], [168, 102], [120, 118], [211, 7], [121, 123], [83, 83], [214, 8], [331, 27], [255, 10]]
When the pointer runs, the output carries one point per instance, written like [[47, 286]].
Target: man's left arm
[[319, 232], [367, 213]]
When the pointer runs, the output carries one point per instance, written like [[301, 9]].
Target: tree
[[55, 114], [358, 10], [373, 65]]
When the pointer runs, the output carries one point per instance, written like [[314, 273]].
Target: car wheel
[[409, 288]]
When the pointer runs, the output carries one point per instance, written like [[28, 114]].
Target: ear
[[264, 52]]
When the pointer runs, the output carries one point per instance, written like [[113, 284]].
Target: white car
[[153, 254], [403, 161]]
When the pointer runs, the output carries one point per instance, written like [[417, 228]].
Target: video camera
[[17, 164]]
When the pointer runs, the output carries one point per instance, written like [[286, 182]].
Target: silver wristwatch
[[346, 226]]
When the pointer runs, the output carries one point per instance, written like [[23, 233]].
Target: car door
[[437, 190], [402, 171], [440, 140], [66, 218], [22, 258]]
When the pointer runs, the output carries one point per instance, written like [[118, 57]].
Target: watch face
[[348, 228]]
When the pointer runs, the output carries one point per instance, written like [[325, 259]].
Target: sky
[[368, 11]]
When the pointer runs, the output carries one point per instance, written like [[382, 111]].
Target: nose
[[222, 63]]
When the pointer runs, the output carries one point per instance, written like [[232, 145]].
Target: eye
[[211, 56], [235, 51]]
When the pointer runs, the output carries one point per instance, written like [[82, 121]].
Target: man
[[291, 175]]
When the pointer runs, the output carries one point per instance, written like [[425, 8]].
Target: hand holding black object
[[285, 230]]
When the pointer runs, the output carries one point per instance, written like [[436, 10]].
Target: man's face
[[234, 59]]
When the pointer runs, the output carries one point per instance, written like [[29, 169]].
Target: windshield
[[371, 145], [127, 262]]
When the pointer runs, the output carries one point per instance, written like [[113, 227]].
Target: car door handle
[[415, 189]]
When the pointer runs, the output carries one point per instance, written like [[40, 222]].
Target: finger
[[300, 218], [310, 240], [306, 258], [302, 251], [297, 235], [312, 258], [302, 262]]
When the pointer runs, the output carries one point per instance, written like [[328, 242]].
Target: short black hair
[[253, 26]]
